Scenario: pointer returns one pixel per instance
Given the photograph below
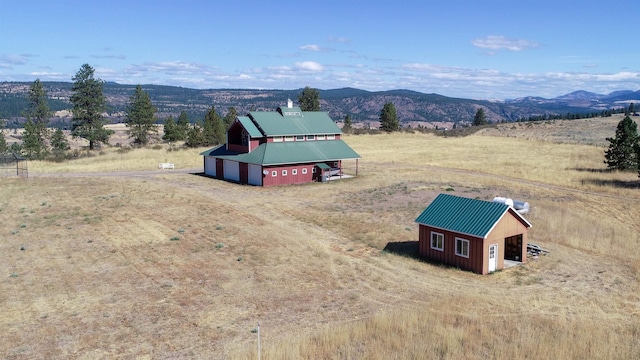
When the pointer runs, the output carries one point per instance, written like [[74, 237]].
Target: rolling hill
[[362, 105]]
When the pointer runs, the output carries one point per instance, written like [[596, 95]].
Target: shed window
[[288, 138], [299, 137], [294, 172], [284, 172], [277, 139], [437, 241], [331, 137], [274, 173], [311, 137], [304, 170], [462, 247]]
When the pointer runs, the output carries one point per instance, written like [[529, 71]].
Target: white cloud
[[342, 40], [8, 60], [311, 47], [499, 42], [118, 57], [309, 66]]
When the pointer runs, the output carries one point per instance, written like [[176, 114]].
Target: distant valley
[[364, 106]]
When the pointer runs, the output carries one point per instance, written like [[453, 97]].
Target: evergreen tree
[[195, 136], [632, 109], [89, 104], [389, 118], [140, 118], [623, 149], [32, 145], [170, 130], [213, 130], [59, 144], [38, 114], [230, 117], [15, 148], [4, 148], [309, 99], [480, 118], [183, 126], [347, 127]]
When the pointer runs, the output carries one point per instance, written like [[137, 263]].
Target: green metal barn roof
[[289, 152], [251, 128], [463, 215], [293, 121]]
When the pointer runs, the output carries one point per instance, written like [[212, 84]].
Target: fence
[[13, 165]]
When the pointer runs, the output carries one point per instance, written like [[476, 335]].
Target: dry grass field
[[108, 257]]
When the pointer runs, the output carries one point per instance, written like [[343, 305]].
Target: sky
[[479, 49]]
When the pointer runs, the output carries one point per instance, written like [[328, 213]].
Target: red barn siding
[[244, 173], [238, 148], [288, 179], [219, 168]]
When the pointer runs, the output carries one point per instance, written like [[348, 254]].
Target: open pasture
[[122, 260]]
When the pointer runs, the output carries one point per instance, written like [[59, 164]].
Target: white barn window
[[462, 247], [437, 241]]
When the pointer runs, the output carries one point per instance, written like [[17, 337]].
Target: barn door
[[493, 257]]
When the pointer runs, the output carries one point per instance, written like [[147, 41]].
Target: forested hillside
[[361, 105]]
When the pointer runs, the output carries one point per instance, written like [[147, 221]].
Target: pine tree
[[38, 113], [230, 117], [59, 145], [195, 136], [389, 118], [213, 130], [347, 127], [140, 118], [89, 104], [309, 99], [480, 118], [183, 126], [170, 130], [4, 148], [623, 148], [32, 146]]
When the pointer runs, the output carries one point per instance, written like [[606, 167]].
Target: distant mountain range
[[362, 105]]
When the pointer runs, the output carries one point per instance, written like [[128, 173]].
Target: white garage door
[[232, 170], [210, 166], [255, 175]]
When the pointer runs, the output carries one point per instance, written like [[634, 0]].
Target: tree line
[[89, 106]]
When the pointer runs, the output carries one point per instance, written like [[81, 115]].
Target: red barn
[[287, 146], [472, 234]]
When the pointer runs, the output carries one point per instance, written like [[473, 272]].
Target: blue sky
[[472, 49]]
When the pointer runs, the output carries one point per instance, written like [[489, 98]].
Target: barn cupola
[[290, 110]]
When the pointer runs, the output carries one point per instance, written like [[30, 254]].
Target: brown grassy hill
[[122, 260]]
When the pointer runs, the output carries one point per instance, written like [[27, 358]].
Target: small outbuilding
[[472, 234]]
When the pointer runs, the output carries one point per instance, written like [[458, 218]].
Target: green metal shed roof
[[289, 152], [463, 215], [272, 123], [251, 128]]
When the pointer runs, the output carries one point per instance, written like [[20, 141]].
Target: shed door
[[493, 257], [232, 170]]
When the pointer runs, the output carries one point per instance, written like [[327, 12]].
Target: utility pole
[[259, 355]]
